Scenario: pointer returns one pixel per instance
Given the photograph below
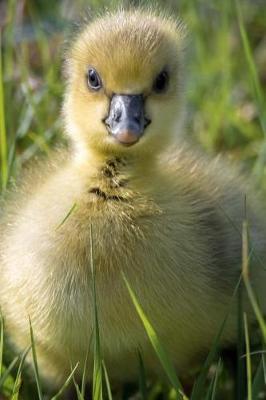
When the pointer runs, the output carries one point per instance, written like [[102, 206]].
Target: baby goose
[[160, 213]]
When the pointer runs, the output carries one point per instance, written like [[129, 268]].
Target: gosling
[[161, 214]]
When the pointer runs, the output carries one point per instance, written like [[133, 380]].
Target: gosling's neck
[[110, 174]]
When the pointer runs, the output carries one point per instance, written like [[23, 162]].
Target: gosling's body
[[167, 219]]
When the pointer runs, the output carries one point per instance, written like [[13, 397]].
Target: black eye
[[161, 82], [94, 81]]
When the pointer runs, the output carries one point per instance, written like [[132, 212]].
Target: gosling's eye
[[161, 82], [94, 80]]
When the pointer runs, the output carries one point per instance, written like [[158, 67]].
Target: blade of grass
[[211, 394], [17, 383], [3, 137], [264, 368], [1, 342], [79, 395], [214, 388], [245, 274], [199, 385], [248, 359], [97, 364], [78, 392], [107, 382], [72, 209], [65, 385], [83, 381], [241, 376], [156, 344], [259, 382], [142, 378], [35, 364], [8, 371]]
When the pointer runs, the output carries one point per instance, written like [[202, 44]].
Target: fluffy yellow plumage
[[162, 214]]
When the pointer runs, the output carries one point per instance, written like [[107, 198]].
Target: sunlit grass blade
[[35, 364], [107, 382], [211, 394], [7, 372], [142, 378], [3, 136], [248, 359], [157, 346], [245, 274], [17, 383], [259, 381], [97, 364], [71, 210], [78, 391], [66, 384]]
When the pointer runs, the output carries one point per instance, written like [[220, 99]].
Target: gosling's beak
[[126, 120]]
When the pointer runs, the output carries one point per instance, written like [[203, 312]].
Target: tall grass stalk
[[8, 371], [66, 384], [97, 364], [248, 359], [18, 380], [212, 390], [1, 342], [259, 381], [107, 382], [142, 378], [3, 136], [35, 363], [84, 374], [157, 345], [245, 274]]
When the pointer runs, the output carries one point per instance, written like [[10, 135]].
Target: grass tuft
[[35, 363]]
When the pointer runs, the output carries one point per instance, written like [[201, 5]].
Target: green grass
[[225, 95], [162, 355]]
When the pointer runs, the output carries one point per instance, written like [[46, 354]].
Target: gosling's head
[[124, 90]]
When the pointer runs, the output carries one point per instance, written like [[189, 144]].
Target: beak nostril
[[117, 115], [137, 117]]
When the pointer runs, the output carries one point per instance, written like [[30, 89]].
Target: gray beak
[[126, 120]]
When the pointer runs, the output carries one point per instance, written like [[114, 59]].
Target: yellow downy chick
[[162, 214]]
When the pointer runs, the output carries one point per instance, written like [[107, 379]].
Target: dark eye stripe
[[93, 79]]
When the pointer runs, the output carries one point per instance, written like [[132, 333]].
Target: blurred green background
[[225, 92]]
